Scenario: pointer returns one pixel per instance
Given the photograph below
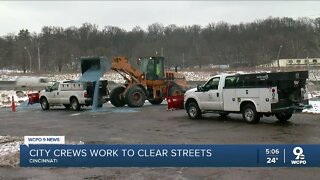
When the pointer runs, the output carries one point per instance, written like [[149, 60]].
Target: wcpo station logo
[[300, 157]]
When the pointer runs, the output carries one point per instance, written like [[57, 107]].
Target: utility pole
[[278, 58], [25, 47], [182, 60], [39, 61], [307, 56]]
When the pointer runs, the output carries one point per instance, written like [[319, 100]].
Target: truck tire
[[135, 96], [284, 116], [155, 101], [75, 104], [44, 103], [193, 111], [250, 114], [116, 96]]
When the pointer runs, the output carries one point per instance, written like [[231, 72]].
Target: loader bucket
[[93, 68]]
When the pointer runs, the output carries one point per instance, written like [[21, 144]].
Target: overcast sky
[[33, 15]]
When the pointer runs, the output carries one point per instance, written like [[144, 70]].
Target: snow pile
[[197, 76], [206, 75], [314, 101], [8, 75], [8, 78], [6, 97], [9, 151], [315, 95], [7, 71], [117, 78], [315, 107], [314, 75], [61, 77], [111, 76]]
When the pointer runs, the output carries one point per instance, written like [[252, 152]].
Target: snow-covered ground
[[9, 151], [315, 107], [314, 75], [6, 98], [8, 71]]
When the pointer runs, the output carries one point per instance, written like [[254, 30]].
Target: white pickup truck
[[254, 95], [73, 94]]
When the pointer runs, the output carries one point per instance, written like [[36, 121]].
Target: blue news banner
[[89, 155]]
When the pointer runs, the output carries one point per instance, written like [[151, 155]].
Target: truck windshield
[[212, 83], [55, 86]]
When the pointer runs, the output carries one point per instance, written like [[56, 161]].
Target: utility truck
[[73, 94], [278, 94], [88, 90]]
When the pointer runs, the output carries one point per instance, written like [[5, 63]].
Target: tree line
[[57, 49]]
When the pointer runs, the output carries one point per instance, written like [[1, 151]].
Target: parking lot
[[155, 125]]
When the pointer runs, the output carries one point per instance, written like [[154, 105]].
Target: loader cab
[[152, 67]]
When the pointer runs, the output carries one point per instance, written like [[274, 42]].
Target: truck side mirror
[[199, 88], [139, 61], [47, 89]]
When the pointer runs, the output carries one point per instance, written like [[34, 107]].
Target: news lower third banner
[[154, 155]]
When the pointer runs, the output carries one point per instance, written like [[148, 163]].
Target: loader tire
[[135, 96], [116, 96], [175, 90], [155, 101]]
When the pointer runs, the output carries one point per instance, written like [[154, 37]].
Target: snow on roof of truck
[[241, 73]]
